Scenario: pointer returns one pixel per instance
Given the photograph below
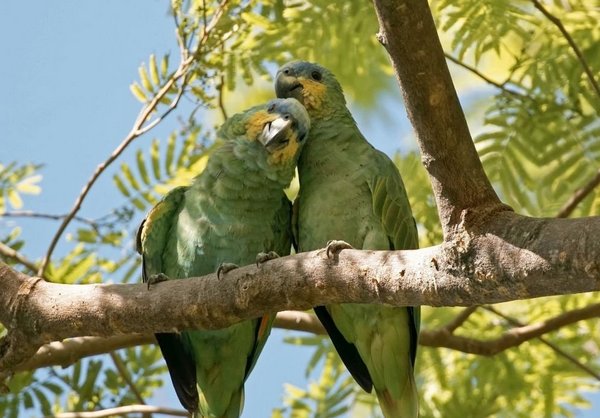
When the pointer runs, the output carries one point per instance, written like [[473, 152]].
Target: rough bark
[[69, 351], [408, 33]]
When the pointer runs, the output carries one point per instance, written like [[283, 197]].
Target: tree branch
[[475, 71], [11, 254], [122, 369], [65, 353], [512, 338], [71, 350], [459, 183], [460, 319], [545, 341], [123, 411], [516, 257], [31, 214], [578, 196]]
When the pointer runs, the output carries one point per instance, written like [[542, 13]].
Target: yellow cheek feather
[[256, 123], [287, 153], [313, 93]]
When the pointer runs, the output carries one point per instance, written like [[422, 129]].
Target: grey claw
[[157, 278], [264, 257], [225, 268], [335, 246]]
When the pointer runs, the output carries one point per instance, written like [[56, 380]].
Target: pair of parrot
[[236, 209]]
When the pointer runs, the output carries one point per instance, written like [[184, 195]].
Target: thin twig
[[578, 196], [220, 97], [8, 252], [118, 362], [475, 71], [137, 130], [553, 346], [460, 319], [123, 411], [557, 22], [31, 214], [512, 338]]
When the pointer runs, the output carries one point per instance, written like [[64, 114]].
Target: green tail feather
[[233, 410], [407, 406]]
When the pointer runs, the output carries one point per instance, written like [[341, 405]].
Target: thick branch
[[67, 352], [516, 258], [459, 183], [64, 353]]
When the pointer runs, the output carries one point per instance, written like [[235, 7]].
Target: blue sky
[[65, 102]]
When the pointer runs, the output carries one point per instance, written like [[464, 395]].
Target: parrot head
[[313, 85], [280, 127]]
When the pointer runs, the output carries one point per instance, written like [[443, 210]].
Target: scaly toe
[[225, 268], [157, 278], [335, 246], [264, 257]]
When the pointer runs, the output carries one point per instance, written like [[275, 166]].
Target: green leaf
[[145, 80], [121, 186], [155, 157], [138, 92], [164, 66], [154, 71], [141, 165]]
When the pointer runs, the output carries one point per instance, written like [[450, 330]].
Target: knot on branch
[[20, 300], [476, 219]]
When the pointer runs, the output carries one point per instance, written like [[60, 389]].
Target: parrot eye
[[316, 75]]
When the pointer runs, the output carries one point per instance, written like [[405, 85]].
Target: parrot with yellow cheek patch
[[234, 210], [351, 192]]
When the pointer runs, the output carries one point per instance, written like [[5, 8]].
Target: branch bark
[[67, 352], [459, 183], [515, 257]]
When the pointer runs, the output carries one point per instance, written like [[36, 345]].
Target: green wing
[[282, 229], [152, 238], [391, 205], [154, 231]]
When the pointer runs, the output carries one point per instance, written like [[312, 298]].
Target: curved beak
[[288, 86], [276, 133]]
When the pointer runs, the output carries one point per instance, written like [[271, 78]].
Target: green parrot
[[352, 192], [234, 210]]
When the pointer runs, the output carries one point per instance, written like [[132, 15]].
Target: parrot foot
[[264, 257], [334, 247], [157, 278], [225, 268]]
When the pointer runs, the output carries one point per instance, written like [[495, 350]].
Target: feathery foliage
[[539, 140]]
